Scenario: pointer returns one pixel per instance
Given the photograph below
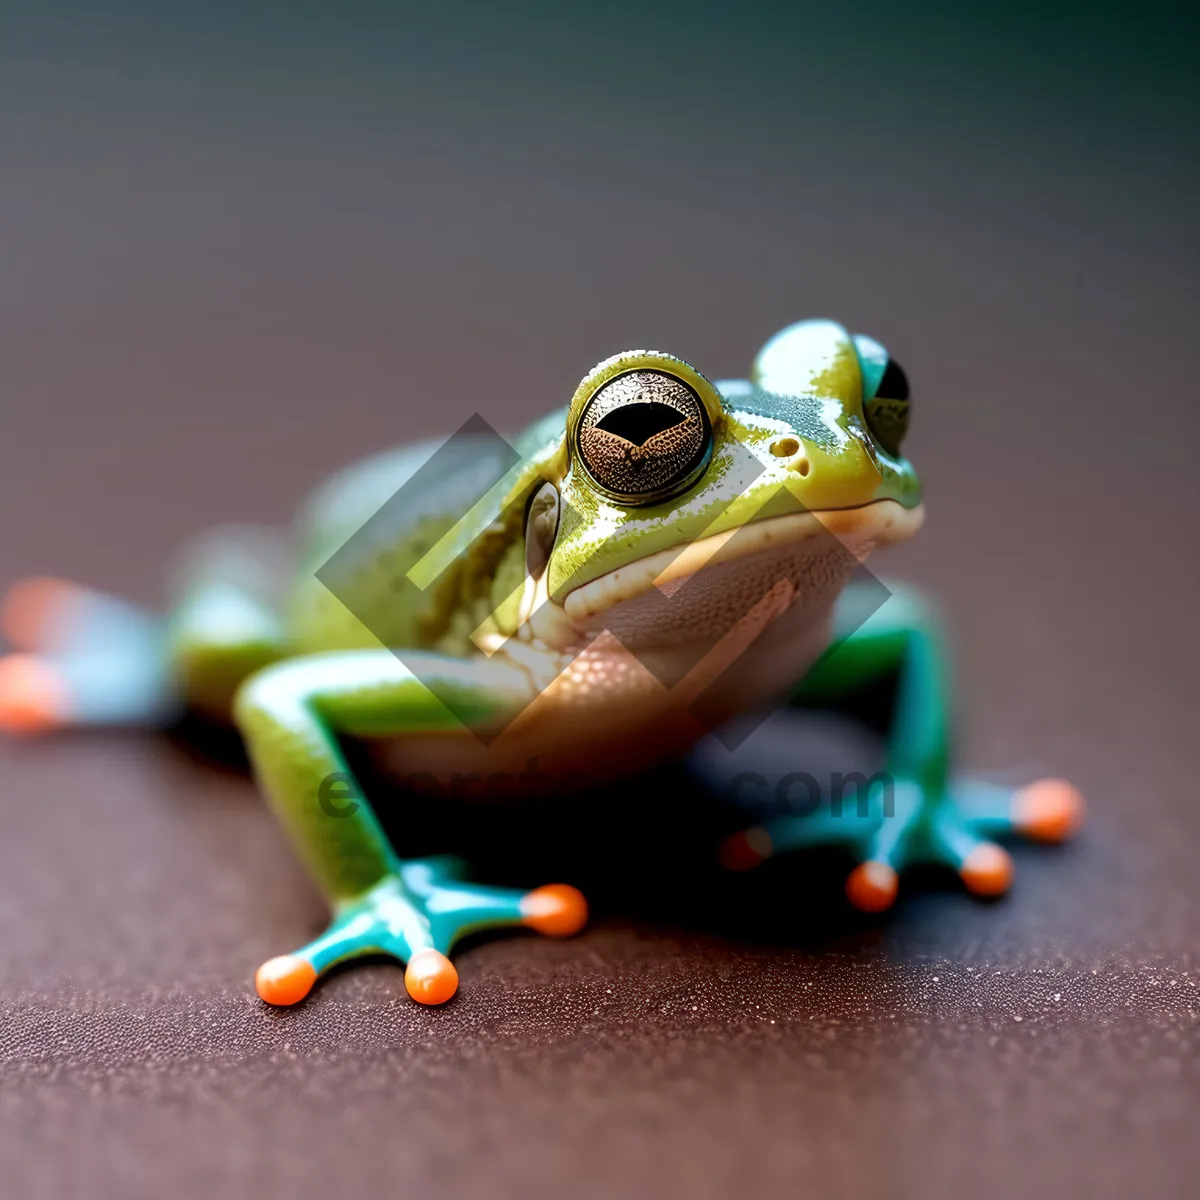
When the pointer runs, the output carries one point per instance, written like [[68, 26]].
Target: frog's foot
[[39, 693], [85, 658], [956, 830], [416, 918], [52, 617]]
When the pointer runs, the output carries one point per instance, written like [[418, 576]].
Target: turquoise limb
[[871, 831], [292, 715], [90, 658], [988, 807], [422, 906], [933, 819]]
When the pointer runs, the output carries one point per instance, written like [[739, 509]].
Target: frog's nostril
[[789, 447]]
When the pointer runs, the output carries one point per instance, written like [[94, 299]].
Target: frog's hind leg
[[918, 813], [87, 658]]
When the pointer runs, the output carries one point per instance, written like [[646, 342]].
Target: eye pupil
[[643, 434], [893, 385], [640, 421]]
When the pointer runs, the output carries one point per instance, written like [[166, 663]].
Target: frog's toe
[[746, 849], [430, 977], [54, 616], [34, 695], [987, 870], [556, 910], [1050, 810], [851, 825], [456, 907], [872, 886], [285, 980], [37, 609]]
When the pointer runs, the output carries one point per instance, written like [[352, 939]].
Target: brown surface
[[217, 287]]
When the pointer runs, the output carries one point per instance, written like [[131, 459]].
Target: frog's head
[[787, 478]]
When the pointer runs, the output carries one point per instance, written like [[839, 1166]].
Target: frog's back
[[360, 532]]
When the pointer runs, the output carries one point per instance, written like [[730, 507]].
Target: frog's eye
[[644, 435], [886, 411], [885, 393]]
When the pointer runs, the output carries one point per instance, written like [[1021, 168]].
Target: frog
[[651, 561]]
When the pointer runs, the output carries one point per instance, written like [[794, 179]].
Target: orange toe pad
[[33, 695], [744, 851], [987, 870], [872, 886], [1050, 810], [430, 977], [557, 910], [285, 980]]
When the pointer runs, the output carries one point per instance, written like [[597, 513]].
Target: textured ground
[[225, 277]]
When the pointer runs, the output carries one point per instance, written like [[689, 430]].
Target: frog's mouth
[[692, 591]]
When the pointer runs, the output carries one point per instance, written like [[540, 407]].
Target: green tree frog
[[638, 568]]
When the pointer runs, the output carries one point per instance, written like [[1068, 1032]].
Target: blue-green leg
[[82, 658], [933, 819], [291, 716], [86, 658]]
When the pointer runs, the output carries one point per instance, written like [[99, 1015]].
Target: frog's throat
[[860, 530]]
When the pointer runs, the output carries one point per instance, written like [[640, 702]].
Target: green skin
[[301, 672]]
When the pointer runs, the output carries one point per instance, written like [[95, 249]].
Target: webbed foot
[[417, 917], [956, 830]]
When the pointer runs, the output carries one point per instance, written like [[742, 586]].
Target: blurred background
[[241, 245]]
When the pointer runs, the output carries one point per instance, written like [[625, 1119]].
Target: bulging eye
[[644, 436], [887, 411]]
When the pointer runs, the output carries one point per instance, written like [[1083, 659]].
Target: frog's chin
[[699, 590]]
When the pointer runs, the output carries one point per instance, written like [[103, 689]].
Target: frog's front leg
[[291, 715], [931, 817]]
